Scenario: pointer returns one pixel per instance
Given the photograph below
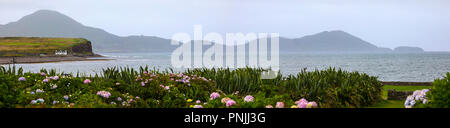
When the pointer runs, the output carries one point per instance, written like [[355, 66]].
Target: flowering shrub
[[333, 88], [419, 96], [212, 88], [439, 95]]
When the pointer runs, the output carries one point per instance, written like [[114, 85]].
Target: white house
[[61, 52]]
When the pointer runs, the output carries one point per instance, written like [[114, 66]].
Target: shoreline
[[406, 83], [96, 57], [49, 59]]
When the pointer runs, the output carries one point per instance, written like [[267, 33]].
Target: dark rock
[[398, 95], [84, 49]]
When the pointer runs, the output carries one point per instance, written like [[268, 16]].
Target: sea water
[[387, 67]]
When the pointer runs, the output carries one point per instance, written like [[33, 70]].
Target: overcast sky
[[385, 23]]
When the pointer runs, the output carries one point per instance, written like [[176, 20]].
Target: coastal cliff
[[42, 50], [36, 46]]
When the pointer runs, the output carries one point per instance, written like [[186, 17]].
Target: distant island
[[36, 49], [406, 49], [48, 23]]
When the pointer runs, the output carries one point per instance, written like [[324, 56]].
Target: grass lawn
[[405, 88], [33, 45], [395, 103], [389, 104]]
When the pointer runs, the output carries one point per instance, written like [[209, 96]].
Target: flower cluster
[[303, 103], [39, 91], [230, 103], [279, 105], [105, 94], [184, 78], [125, 100], [54, 86], [198, 106], [22, 79], [248, 98], [164, 87], [46, 80], [40, 100], [417, 96], [55, 78], [87, 81], [214, 95]]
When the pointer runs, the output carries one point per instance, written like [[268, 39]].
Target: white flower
[[412, 102], [425, 101]]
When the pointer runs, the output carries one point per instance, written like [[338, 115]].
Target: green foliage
[[245, 80], [334, 88], [151, 88], [440, 93], [35, 46], [7, 91]]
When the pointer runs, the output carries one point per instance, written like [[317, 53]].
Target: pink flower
[[302, 104], [311, 105], [198, 106], [42, 73], [269, 106], [87, 81], [225, 100], [248, 98], [45, 80], [198, 101], [214, 95], [230, 103], [142, 84], [280, 105], [55, 77], [301, 100], [105, 94], [22, 79], [166, 87]]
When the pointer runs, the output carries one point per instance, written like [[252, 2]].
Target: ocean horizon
[[410, 67]]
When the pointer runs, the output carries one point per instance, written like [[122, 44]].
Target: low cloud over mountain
[[47, 23]]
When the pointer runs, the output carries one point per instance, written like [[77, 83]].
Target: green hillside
[[36, 46]]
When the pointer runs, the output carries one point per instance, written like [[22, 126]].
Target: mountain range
[[48, 23]]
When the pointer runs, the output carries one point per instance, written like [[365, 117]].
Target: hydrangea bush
[[418, 97], [212, 88]]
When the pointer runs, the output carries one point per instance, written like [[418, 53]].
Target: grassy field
[[25, 46], [395, 103]]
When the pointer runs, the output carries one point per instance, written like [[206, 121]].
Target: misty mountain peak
[[338, 33], [47, 17]]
